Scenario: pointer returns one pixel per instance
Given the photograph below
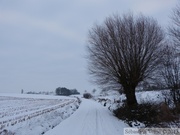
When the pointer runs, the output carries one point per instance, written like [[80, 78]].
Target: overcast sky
[[42, 42]]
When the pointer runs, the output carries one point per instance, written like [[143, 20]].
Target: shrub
[[87, 95], [151, 115]]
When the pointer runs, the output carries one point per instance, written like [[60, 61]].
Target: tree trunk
[[131, 97]]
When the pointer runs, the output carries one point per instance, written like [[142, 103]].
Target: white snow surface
[[25, 114], [90, 119]]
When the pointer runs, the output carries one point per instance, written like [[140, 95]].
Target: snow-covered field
[[39, 114], [23, 114], [42, 114]]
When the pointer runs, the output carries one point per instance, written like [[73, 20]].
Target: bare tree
[[124, 51], [171, 63], [170, 72], [174, 29]]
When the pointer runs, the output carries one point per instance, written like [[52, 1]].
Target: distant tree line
[[41, 92], [66, 92]]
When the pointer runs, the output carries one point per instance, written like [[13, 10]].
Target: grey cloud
[[42, 42]]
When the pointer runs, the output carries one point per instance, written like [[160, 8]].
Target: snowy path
[[90, 119]]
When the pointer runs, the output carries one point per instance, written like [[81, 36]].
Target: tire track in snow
[[84, 123], [96, 123]]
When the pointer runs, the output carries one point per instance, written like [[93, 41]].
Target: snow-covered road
[[90, 119]]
